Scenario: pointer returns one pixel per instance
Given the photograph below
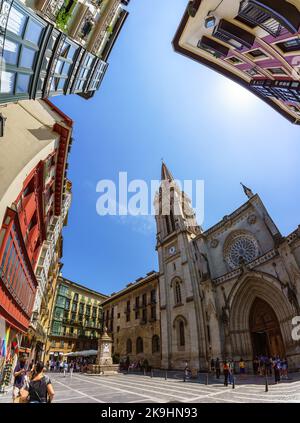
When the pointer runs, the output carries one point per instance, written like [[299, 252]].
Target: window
[[144, 315], [155, 344], [153, 296], [53, 344], [153, 313], [67, 57], [181, 334], [139, 345], [234, 60], [75, 297], [84, 72], [129, 346], [62, 344], [257, 54], [178, 298], [277, 71], [144, 299], [289, 45], [21, 47]]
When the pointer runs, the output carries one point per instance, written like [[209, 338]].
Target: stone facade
[[132, 319], [229, 291]]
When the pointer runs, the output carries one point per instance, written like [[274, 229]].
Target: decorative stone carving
[[214, 243], [252, 219]]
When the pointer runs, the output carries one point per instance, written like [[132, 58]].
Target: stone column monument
[[104, 364]]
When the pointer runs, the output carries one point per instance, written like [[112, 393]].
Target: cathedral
[[231, 291]]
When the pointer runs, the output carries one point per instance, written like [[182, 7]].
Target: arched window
[[155, 344], [181, 335], [139, 345], [129, 346], [177, 288]]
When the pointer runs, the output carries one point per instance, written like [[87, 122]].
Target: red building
[[31, 197]]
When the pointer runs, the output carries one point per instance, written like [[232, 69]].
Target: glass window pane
[[7, 82], [23, 83], [58, 67], [33, 32], [66, 68], [27, 58], [16, 21], [11, 52], [61, 84], [71, 52]]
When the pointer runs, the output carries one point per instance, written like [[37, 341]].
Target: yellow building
[[132, 317], [76, 318]]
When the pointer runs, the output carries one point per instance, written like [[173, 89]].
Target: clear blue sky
[[154, 103]]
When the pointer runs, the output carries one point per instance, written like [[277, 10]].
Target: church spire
[[247, 191], [166, 175]]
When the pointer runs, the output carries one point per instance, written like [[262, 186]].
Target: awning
[[86, 353]]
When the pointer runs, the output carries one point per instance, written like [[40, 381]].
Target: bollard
[[206, 379], [144, 371], [266, 384], [233, 382], [151, 374], [166, 375]]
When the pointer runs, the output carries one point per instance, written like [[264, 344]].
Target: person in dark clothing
[[40, 389], [20, 373], [212, 365], [276, 371], [218, 371], [225, 372]]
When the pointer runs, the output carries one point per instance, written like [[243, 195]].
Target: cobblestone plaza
[[136, 388]]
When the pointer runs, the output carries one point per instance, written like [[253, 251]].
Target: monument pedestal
[[104, 366]]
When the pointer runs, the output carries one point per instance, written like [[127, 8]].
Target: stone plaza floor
[[137, 388]]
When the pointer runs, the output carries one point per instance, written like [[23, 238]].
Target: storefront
[[9, 348]]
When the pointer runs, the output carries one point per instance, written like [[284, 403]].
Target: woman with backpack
[[40, 389]]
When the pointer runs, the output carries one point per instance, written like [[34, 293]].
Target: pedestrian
[[231, 371], [256, 365], [40, 389], [186, 371], [212, 365], [61, 366], [20, 378], [225, 372], [57, 366], [218, 370], [242, 367], [276, 367], [284, 368], [71, 368], [66, 367]]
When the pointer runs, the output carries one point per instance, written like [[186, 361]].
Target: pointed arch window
[[181, 334], [129, 346], [155, 344], [177, 290], [139, 345]]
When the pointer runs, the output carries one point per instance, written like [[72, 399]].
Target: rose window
[[242, 249]]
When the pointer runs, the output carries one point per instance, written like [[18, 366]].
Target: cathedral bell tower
[[182, 331]]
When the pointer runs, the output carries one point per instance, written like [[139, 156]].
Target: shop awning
[[86, 353]]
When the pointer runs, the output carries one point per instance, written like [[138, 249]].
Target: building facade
[[254, 43], [34, 201], [132, 317], [76, 319], [231, 291], [94, 24], [39, 60]]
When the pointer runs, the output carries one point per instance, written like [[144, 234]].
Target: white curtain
[[7, 82], [16, 21]]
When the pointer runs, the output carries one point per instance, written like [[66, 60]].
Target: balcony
[[233, 35], [275, 17], [213, 47], [287, 91]]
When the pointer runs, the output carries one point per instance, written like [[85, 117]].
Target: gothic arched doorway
[[265, 330]]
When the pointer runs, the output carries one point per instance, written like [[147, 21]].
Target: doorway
[[265, 330]]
